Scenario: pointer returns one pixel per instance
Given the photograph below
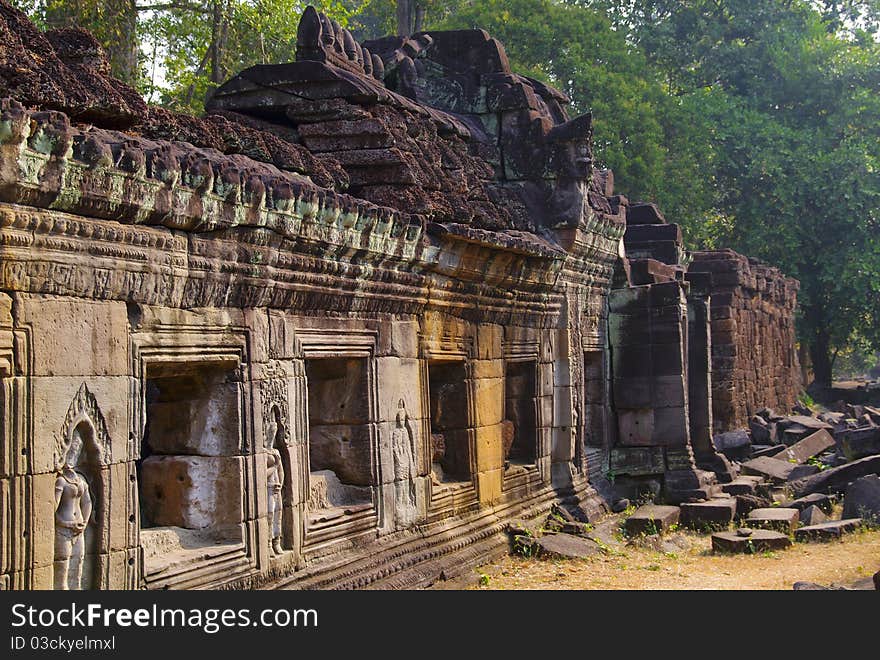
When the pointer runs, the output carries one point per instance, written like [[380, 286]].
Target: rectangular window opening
[[450, 422], [190, 473], [340, 444], [520, 426]]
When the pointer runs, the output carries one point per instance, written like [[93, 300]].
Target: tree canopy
[[755, 124]]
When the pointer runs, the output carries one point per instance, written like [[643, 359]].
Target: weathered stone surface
[[62, 70], [859, 443], [802, 471], [74, 337], [827, 531], [770, 468], [821, 500], [836, 479], [742, 485], [566, 546], [812, 515], [735, 445], [710, 514], [862, 499], [651, 519], [194, 492], [771, 450], [759, 540], [811, 446], [779, 519], [747, 502]]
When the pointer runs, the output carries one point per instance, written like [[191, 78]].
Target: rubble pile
[[797, 478]]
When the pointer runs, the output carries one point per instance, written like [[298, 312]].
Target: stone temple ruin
[[337, 332]]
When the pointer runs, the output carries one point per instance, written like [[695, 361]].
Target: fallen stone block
[[760, 430], [810, 586], [748, 503], [811, 446], [858, 443], [518, 527], [565, 546], [735, 445], [651, 519], [808, 422], [775, 518], [824, 502], [770, 468], [862, 499], [836, 479], [711, 514], [704, 493], [801, 471], [749, 541], [766, 450], [812, 515], [742, 485], [827, 531]]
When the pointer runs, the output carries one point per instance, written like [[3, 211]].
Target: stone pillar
[[488, 392], [699, 365]]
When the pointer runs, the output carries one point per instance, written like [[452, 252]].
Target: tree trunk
[[820, 354], [405, 11], [419, 24], [214, 48], [123, 51]]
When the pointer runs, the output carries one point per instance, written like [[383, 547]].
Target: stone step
[[713, 513], [777, 519], [749, 541], [651, 519], [827, 531]]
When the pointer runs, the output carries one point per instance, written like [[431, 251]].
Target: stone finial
[[310, 36]]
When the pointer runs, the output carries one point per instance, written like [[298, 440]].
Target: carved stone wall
[[292, 340]]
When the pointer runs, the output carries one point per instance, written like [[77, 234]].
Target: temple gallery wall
[[341, 330]]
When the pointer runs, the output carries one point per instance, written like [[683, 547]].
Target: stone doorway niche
[[340, 446], [594, 389], [520, 414], [449, 422], [190, 471]]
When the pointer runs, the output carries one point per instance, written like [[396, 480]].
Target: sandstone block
[[651, 519], [194, 492], [706, 515], [778, 519], [76, 337], [757, 540], [827, 531]]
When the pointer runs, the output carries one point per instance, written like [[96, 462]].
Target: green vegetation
[[755, 124]]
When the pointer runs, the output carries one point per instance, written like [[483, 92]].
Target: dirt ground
[[685, 561]]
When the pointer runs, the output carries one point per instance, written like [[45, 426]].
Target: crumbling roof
[[435, 125]]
